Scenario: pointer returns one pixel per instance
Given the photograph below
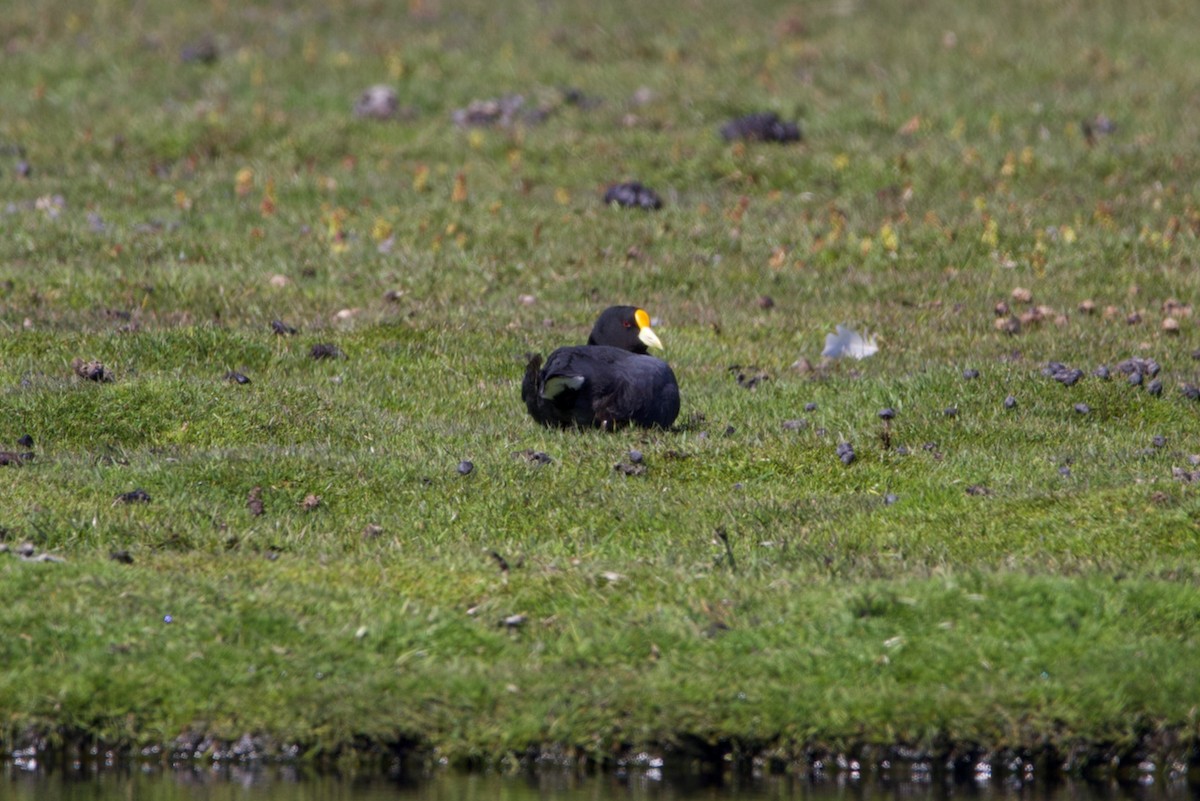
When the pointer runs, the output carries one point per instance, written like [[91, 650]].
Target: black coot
[[610, 382]]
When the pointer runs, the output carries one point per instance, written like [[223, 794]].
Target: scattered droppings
[[1102, 372], [1133, 318], [749, 377], [798, 424], [372, 531], [536, 458], [950, 411], [282, 329], [310, 502], [15, 459], [378, 102], [1010, 402], [761, 127], [326, 350], [1083, 408], [122, 556], [1136, 364], [810, 407], [25, 441], [978, 490], [90, 371], [1135, 379], [513, 621], [279, 280], [970, 374], [902, 450], [1067, 376], [677, 456], [1155, 388], [1159, 497], [254, 501], [633, 195], [1190, 391], [204, 51], [890, 499], [887, 414], [234, 377], [1159, 441], [1001, 309], [1064, 471], [466, 467], [635, 456], [1007, 325], [502, 112], [1186, 476], [1021, 295], [765, 302], [845, 452], [628, 469], [1170, 325], [802, 365], [1087, 307], [133, 496]]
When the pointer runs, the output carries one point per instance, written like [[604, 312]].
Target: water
[[234, 783]]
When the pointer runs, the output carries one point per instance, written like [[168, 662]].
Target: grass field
[[313, 568]]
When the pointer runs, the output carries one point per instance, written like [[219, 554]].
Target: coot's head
[[625, 327]]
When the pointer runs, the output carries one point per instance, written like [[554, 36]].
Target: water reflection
[[285, 783]]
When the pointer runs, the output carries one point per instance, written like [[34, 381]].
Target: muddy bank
[[1166, 757]]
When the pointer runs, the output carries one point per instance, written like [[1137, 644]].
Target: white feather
[[848, 342], [559, 383]]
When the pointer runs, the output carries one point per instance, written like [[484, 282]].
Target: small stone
[[1170, 326], [1159, 441], [536, 458], [978, 490], [1133, 318], [122, 556], [1190, 391], [234, 377], [887, 414], [465, 467], [766, 302], [1022, 295], [1102, 372], [372, 531], [310, 502], [1001, 309], [635, 456], [1087, 307], [1010, 402], [1135, 379], [513, 621], [133, 496], [1083, 408], [810, 407], [845, 452], [795, 425], [951, 411], [890, 499], [970, 374], [1155, 387], [1064, 471]]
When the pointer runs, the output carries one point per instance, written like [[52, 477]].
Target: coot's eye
[[626, 323]]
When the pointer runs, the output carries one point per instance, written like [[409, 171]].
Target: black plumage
[[608, 383]]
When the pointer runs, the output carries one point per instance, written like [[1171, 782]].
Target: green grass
[[173, 210]]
